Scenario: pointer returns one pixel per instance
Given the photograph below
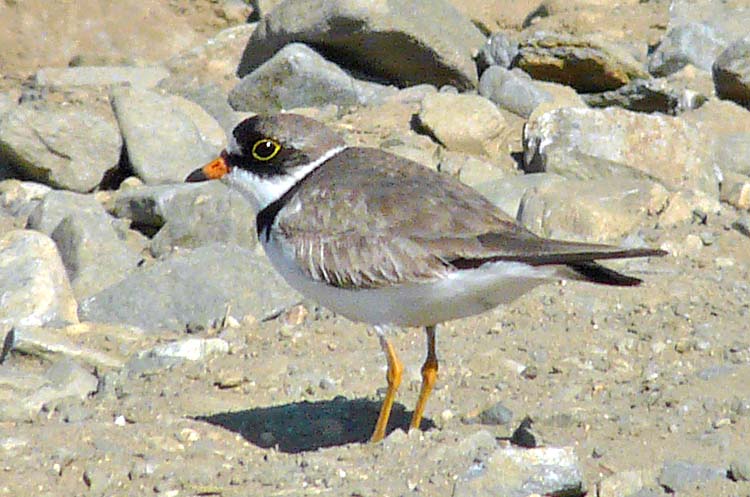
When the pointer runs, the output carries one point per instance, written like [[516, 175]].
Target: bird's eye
[[265, 149]]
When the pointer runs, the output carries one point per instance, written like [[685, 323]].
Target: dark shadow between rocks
[[307, 426]]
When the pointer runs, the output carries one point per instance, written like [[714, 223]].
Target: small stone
[[621, 484], [739, 468], [192, 349], [446, 415], [735, 190], [742, 225], [141, 77], [497, 414], [679, 476], [724, 262]]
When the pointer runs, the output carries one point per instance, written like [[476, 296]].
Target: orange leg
[[429, 376], [393, 376]]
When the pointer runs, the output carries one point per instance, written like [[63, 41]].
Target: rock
[[742, 225], [499, 50], [507, 193], [67, 147], [735, 190], [512, 90], [623, 483], [52, 345], [686, 206], [668, 149], [739, 467], [472, 169], [692, 43], [594, 210], [585, 63], [20, 198], [33, 282], [137, 77], [653, 95], [408, 42], [297, 76], [93, 254], [188, 216], [193, 289], [191, 349], [57, 205], [679, 476], [514, 472], [497, 414], [731, 72], [164, 144], [483, 129]]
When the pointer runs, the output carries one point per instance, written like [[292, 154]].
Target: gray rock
[[407, 41], [93, 254], [137, 77], [669, 149], [594, 210], [33, 282], [653, 95], [164, 143], [193, 289], [298, 77], [57, 205], [52, 345], [742, 225], [585, 63], [507, 193], [679, 476], [20, 198], [497, 414], [483, 128], [513, 472], [499, 50], [739, 467], [691, 43], [732, 152], [512, 90], [67, 147], [188, 215], [731, 72], [473, 169], [735, 190], [621, 484]]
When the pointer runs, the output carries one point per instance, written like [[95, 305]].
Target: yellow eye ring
[[265, 149]]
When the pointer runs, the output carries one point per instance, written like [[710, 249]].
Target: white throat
[[261, 191]]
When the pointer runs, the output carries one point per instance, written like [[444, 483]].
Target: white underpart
[[264, 190], [460, 294]]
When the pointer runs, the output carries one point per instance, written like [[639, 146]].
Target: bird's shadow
[[308, 426]]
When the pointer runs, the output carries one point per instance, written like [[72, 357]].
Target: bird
[[384, 240]]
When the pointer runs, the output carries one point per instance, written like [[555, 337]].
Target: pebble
[[497, 414], [191, 349], [742, 225], [739, 467], [679, 476]]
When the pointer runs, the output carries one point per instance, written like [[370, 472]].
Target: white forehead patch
[[232, 146]]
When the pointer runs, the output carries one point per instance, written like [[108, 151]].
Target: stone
[[498, 50], [406, 42], [668, 149], [164, 144], [742, 225], [585, 63], [191, 349], [731, 72], [518, 472], [473, 169], [52, 345], [483, 128], [513, 90], [33, 282], [93, 254], [57, 205], [507, 193], [188, 215], [297, 76], [691, 43], [739, 467], [497, 414], [620, 484], [679, 476], [735, 190], [193, 289], [595, 210], [137, 77], [20, 198], [64, 147], [685, 206]]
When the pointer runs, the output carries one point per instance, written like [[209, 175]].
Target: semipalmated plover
[[384, 240]]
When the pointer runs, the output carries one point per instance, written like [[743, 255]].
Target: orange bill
[[213, 170]]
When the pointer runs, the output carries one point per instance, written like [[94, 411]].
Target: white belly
[[460, 294]]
